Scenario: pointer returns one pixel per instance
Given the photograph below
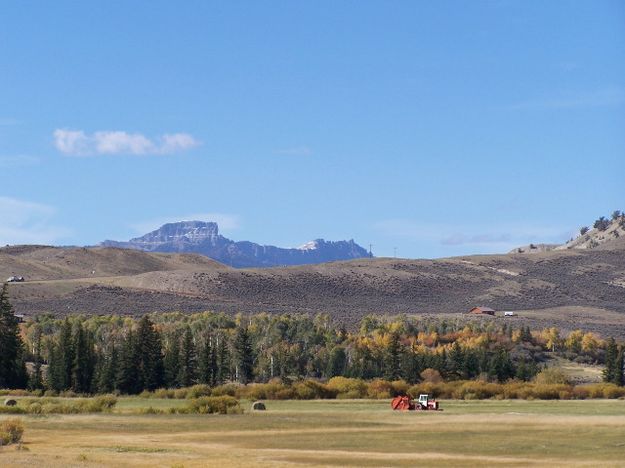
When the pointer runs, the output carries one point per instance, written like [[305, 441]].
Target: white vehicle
[[508, 314], [15, 279]]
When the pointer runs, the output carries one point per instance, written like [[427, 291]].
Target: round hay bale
[[10, 402], [258, 406]]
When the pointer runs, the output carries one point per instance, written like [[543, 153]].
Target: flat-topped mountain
[[204, 238]]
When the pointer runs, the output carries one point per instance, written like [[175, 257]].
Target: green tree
[[336, 362], [392, 358], [36, 379], [208, 363], [171, 361], [127, 378], [108, 369], [223, 360], [244, 355], [187, 374], [611, 356], [12, 368], [82, 369], [149, 355]]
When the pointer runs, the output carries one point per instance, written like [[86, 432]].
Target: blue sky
[[437, 128]]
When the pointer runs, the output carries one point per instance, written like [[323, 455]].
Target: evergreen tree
[[12, 367], [187, 374], [127, 379], [392, 358], [456, 361], [65, 355], [611, 355], [36, 380], [82, 367], [336, 362], [470, 365], [619, 378], [149, 354], [223, 360], [108, 369], [171, 361], [244, 355], [207, 363]]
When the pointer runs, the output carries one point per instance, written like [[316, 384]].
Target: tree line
[[101, 354]]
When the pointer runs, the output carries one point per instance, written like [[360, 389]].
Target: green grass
[[334, 433]]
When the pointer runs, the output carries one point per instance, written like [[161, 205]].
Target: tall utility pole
[[370, 251]]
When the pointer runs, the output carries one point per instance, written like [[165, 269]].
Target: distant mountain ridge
[[204, 238]]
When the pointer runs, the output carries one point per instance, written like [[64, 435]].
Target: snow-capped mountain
[[204, 238]]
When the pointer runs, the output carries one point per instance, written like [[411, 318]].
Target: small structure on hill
[[258, 406], [482, 311]]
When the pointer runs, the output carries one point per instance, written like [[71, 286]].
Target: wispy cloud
[[607, 97], [7, 122], [295, 151], [25, 222], [79, 143], [17, 160], [497, 237], [226, 222]]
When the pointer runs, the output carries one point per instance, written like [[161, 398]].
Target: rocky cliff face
[[204, 238]]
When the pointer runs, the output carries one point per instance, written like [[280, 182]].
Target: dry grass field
[[331, 433]]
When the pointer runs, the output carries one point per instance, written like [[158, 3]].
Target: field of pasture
[[329, 433]]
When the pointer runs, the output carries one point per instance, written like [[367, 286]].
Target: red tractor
[[424, 403]]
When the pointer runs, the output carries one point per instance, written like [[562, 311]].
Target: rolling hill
[[580, 285]]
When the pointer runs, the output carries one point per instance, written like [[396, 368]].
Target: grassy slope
[[340, 433]]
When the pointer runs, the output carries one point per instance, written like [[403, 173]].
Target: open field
[[332, 433]]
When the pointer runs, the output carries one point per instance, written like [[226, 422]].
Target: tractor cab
[[426, 403]]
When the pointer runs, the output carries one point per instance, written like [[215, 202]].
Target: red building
[[482, 311]]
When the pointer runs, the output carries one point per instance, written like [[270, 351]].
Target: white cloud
[[499, 237], [607, 97], [25, 222], [296, 151], [226, 222], [78, 143]]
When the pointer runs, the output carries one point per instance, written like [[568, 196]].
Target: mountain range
[[204, 238]]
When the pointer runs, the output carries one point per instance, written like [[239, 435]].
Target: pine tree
[[36, 380], [336, 362], [611, 355], [149, 354], [244, 355], [392, 358], [207, 363], [187, 375], [456, 361], [172, 361], [65, 355], [619, 378], [108, 369], [223, 360], [12, 366], [127, 379], [82, 366]]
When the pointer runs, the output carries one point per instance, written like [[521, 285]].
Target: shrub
[[166, 393], [551, 375], [181, 393], [226, 389], [347, 388], [11, 431], [431, 375], [199, 390], [208, 405], [311, 389], [379, 389]]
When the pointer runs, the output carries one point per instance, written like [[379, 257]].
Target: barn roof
[[483, 309]]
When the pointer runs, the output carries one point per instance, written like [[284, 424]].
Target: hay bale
[[258, 406], [10, 402]]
